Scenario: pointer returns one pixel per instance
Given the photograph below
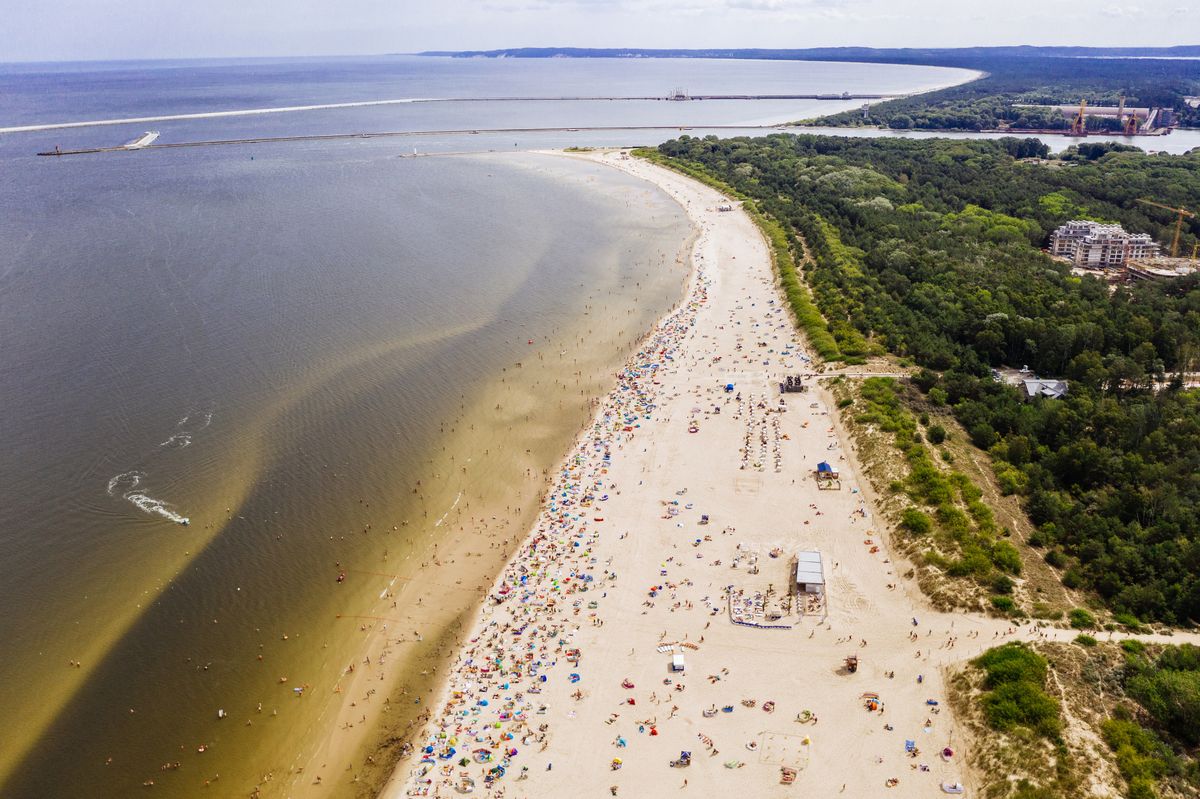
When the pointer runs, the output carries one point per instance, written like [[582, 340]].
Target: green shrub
[[1133, 647], [1172, 698], [925, 380], [845, 402], [983, 435], [937, 434], [1142, 758], [1022, 704], [1011, 479], [1004, 604], [1185, 657], [1027, 790], [1082, 620], [1005, 557], [916, 521], [1056, 558], [953, 520], [1128, 620], [938, 396], [1085, 640], [1012, 663], [1002, 584]]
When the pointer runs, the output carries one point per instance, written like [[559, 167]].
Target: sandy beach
[[672, 533]]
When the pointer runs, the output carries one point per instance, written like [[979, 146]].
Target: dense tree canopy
[[1009, 94], [930, 250]]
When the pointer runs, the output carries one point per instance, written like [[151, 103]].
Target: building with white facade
[[1093, 245]]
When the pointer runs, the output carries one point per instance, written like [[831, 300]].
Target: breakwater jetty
[[395, 134], [676, 96]]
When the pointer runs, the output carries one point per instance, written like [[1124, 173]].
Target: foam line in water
[[242, 112], [178, 441]]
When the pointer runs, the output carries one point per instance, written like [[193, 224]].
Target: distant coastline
[[957, 56]]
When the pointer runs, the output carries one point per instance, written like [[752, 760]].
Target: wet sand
[[486, 480]]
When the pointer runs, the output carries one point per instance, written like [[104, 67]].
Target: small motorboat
[[221, 713], [341, 578]]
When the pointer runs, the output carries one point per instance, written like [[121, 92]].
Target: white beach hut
[[810, 574]]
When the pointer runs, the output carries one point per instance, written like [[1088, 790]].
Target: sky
[[68, 30]]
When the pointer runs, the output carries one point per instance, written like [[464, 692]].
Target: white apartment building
[[1093, 245]]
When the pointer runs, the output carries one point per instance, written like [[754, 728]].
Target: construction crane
[[1079, 123], [1129, 125], [1180, 214]]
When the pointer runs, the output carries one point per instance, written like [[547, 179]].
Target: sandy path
[[626, 516]]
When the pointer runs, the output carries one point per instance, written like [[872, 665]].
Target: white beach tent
[[810, 576]]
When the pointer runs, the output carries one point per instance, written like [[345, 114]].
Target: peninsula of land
[[694, 609]]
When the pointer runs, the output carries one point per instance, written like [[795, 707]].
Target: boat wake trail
[[202, 419], [199, 420], [126, 485]]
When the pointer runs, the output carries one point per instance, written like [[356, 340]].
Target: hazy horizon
[[82, 30]]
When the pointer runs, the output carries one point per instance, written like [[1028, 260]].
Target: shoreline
[[673, 530], [404, 667], [442, 689], [436, 771]]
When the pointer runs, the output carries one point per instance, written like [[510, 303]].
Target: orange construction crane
[[1131, 125], [1180, 214], [1079, 123]]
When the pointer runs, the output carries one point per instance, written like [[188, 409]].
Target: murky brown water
[[322, 361]]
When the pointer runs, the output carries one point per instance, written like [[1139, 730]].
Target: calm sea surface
[[296, 348]]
